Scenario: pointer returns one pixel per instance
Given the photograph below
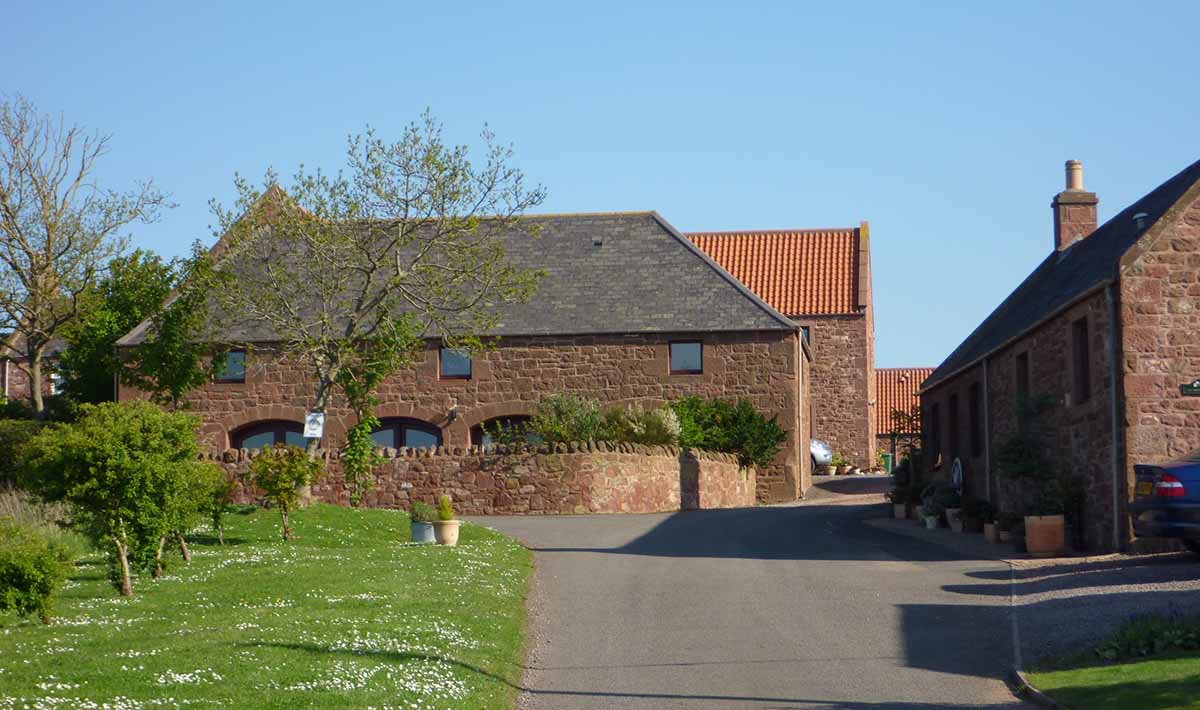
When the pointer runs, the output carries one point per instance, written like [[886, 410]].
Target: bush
[[122, 469], [15, 409], [13, 435], [445, 509], [282, 473], [32, 567], [634, 425], [560, 418], [739, 429], [422, 512]]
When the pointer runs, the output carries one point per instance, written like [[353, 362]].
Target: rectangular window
[[454, 364], [1080, 348], [806, 332], [975, 420], [954, 425], [1023, 375], [234, 369], [935, 435], [687, 358]]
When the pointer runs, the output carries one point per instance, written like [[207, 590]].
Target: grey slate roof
[[1063, 277], [643, 277]]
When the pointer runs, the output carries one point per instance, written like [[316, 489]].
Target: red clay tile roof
[[799, 272], [896, 388]]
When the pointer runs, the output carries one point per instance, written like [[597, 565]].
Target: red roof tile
[[896, 388], [798, 272]]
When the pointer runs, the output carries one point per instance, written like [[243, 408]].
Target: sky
[[945, 125]]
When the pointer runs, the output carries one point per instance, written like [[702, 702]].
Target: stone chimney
[[1074, 209]]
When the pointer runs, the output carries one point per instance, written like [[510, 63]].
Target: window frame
[[442, 350], [1081, 361], [975, 418], [955, 428], [1022, 374], [398, 425], [280, 428], [935, 435], [671, 357], [223, 379]]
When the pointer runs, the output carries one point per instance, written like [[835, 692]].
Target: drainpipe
[[987, 434], [1114, 355]]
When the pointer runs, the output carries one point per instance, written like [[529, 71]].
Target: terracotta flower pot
[[1045, 535], [990, 533], [446, 532]]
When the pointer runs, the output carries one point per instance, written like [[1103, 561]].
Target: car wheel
[[1192, 545], [815, 465]]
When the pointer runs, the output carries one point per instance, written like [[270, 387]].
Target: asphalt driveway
[[797, 606]]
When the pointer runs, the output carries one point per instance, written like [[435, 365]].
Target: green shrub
[[561, 418], [634, 425], [13, 435], [282, 473], [422, 512], [738, 429], [123, 469], [445, 508], [1151, 635], [32, 567], [15, 409]]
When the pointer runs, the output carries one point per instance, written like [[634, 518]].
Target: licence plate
[[1145, 488]]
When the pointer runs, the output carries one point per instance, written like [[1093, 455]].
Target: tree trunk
[[312, 446], [287, 528], [35, 381], [123, 558], [183, 547], [158, 556]]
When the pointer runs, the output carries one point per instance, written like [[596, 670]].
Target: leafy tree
[[220, 496], [32, 568], [350, 273], [133, 289], [281, 473], [178, 353], [58, 228], [121, 468]]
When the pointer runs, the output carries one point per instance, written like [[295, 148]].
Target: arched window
[[483, 434], [262, 435], [413, 433]]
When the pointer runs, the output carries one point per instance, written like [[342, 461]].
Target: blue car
[[1166, 501]]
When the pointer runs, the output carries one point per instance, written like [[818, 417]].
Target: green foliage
[[937, 497], [1151, 635], [561, 418], [32, 568], [738, 428], [445, 509], [837, 460], [977, 508], [511, 432], [178, 354], [13, 435], [899, 495], [635, 425], [134, 288], [359, 458], [129, 473], [220, 492], [281, 473], [15, 409], [422, 512]]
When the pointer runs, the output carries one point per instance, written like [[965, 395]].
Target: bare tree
[[350, 274], [58, 228]]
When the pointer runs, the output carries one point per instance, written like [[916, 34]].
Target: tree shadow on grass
[[612, 696]]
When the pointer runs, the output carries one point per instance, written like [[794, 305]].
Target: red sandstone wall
[[843, 384], [761, 367], [574, 479]]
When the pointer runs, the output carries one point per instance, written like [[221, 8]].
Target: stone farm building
[[1103, 332], [896, 389], [820, 278], [629, 312]]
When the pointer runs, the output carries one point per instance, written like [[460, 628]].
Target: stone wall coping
[[568, 449]]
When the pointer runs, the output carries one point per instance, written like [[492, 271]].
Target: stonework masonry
[[569, 479], [843, 384], [765, 367]]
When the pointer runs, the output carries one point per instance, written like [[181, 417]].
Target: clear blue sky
[[945, 126]]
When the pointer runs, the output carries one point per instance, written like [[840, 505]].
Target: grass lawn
[[348, 614], [1167, 681]]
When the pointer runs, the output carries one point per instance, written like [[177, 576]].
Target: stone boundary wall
[[574, 478]]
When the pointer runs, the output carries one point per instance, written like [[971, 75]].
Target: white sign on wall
[[314, 425]]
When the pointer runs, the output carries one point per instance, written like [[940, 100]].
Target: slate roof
[[896, 388], [799, 272], [1063, 277], [629, 272]]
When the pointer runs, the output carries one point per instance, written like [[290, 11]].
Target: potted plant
[[931, 515], [445, 528], [838, 462], [899, 498], [976, 514], [1045, 531], [1005, 523], [952, 503], [421, 519]]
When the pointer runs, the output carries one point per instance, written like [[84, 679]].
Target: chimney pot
[[1074, 175], [1074, 209]]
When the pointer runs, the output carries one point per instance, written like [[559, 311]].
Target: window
[[482, 433], [1022, 376], [954, 440], [413, 433], [687, 358], [806, 333], [935, 436], [234, 369], [263, 435], [454, 364], [56, 383], [975, 420], [1082, 360]]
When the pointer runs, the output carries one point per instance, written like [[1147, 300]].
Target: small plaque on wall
[[1191, 389]]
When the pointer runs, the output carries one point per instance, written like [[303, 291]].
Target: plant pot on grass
[[445, 528], [421, 519]]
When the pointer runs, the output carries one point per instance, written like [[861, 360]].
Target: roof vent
[[1140, 220]]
